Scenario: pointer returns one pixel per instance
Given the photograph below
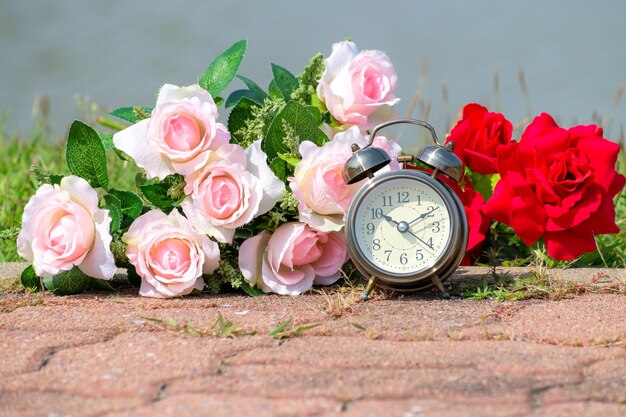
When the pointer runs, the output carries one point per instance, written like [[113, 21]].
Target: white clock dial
[[402, 226]]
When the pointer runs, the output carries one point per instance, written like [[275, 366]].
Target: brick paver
[[120, 355]]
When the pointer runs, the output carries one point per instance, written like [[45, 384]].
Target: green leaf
[[239, 115], [223, 69], [316, 113], [279, 167], [285, 81], [156, 193], [251, 84], [85, 155], [218, 101], [237, 95], [107, 141], [130, 205], [300, 119], [100, 285], [289, 159], [274, 91], [484, 184], [132, 114], [55, 179], [30, 280], [280, 328], [133, 277], [125, 113], [69, 282], [114, 205], [251, 291]]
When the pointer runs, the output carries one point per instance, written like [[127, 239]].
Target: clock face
[[402, 226]]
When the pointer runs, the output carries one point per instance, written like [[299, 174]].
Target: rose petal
[[99, 262], [135, 142], [251, 253]]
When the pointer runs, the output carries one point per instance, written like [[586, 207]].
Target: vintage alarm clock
[[406, 229]]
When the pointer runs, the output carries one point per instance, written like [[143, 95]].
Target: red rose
[[477, 220], [477, 137], [558, 184]]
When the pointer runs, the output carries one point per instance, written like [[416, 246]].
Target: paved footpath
[[120, 355]]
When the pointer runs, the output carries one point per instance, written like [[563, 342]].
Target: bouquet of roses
[[259, 202]]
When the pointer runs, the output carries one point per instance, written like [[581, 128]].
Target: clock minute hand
[[423, 215], [420, 239]]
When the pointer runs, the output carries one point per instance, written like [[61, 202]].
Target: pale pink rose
[[169, 254], [292, 259], [63, 227], [318, 182], [234, 187], [356, 85], [179, 136]]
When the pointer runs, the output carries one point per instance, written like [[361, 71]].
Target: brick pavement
[[121, 355]]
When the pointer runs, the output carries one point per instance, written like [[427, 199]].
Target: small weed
[[287, 330], [537, 285], [220, 328], [11, 285], [7, 306], [455, 334], [337, 303]]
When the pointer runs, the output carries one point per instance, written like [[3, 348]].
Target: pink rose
[[169, 254], [292, 259], [63, 227], [318, 181], [178, 137], [357, 84], [232, 189]]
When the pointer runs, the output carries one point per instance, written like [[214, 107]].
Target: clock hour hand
[[423, 215], [389, 219]]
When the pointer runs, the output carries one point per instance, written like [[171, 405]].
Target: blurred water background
[[117, 53]]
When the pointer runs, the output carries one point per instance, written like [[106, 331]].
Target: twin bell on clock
[[406, 229]]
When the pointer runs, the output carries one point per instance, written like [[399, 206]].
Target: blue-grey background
[[118, 53]]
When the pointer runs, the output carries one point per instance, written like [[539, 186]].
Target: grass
[[18, 184], [537, 284]]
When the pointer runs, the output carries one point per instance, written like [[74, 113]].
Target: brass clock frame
[[364, 163]]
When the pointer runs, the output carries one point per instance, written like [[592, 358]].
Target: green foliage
[[484, 184], [130, 206], [29, 279], [85, 155], [285, 210], [252, 123], [114, 205], [223, 69], [293, 124], [69, 282], [251, 84], [132, 114], [228, 272], [237, 95], [274, 91], [285, 81], [164, 194], [308, 81], [240, 116]]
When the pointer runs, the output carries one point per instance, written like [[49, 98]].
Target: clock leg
[[370, 286], [435, 279]]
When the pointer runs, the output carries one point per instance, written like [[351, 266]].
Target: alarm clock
[[405, 229]]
